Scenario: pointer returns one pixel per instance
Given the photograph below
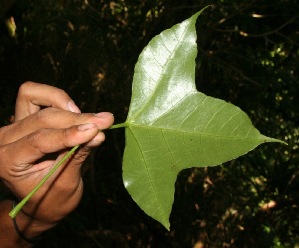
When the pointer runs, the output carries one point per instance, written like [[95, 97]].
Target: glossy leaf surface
[[171, 126]]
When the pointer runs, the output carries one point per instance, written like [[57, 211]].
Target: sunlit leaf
[[171, 126]]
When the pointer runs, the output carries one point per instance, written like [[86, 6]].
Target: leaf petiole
[[13, 213], [120, 125], [17, 208]]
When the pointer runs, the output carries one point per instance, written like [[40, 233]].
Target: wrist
[[21, 234], [9, 237], [36, 214], [49, 209], [27, 227]]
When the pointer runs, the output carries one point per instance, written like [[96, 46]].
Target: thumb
[[21, 155]]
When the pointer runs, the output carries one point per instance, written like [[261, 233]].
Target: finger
[[34, 146], [32, 96], [71, 171], [80, 155], [55, 119]]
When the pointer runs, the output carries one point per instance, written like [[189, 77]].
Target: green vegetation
[[248, 55]]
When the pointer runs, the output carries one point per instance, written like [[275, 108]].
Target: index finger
[[34, 146], [32, 96]]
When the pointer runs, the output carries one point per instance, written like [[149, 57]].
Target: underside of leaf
[[171, 126]]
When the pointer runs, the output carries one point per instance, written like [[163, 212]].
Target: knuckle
[[80, 157], [85, 118], [60, 93], [67, 135], [44, 116], [25, 88], [35, 138]]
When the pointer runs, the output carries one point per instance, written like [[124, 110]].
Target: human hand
[[39, 131]]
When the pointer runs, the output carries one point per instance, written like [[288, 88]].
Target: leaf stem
[[120, 125], [17, 208]]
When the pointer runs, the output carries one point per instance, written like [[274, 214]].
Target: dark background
[[247, 54]]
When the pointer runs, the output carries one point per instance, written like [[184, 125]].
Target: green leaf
[[171, 126]]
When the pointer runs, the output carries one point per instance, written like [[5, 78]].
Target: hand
[[38, 131]]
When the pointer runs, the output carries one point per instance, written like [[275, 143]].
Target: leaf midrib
[[147, 126]]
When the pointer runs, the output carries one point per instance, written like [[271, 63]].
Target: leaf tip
[[268, 139], [166, 225], [200, 11]]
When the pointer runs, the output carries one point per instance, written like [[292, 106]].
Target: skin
[[47, 121]]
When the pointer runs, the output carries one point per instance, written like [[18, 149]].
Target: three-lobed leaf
[[171, 126]]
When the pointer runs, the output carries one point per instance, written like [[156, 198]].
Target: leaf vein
[[148, 172], [148, 101], [193, 133]]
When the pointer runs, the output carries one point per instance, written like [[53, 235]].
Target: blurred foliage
[[248, 55]]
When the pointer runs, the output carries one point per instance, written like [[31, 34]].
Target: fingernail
[[85, 127], [103, 115], [73, 107]]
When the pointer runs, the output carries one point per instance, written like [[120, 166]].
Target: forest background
[[248, 54]]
